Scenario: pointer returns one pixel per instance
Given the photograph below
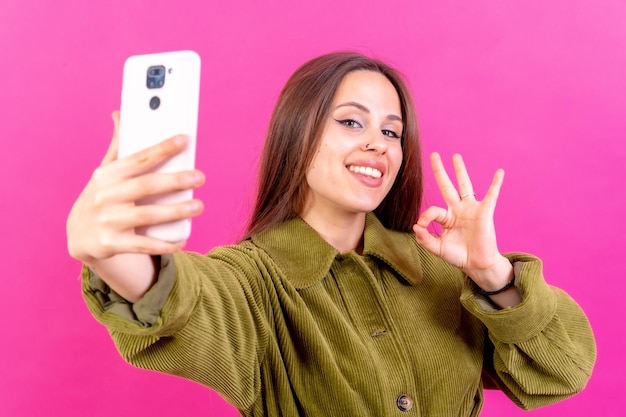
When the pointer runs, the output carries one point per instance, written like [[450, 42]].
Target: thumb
[[430, 241], [427, 240], [111, 154]]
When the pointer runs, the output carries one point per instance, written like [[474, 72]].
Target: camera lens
[[155, 102], [155, 76]]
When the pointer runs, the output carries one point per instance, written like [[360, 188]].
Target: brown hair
[[293, 138]]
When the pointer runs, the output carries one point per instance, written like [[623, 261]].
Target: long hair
[[294, 134]]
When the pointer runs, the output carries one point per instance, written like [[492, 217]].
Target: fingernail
[[180, 139], [195, 206], [195, 178]]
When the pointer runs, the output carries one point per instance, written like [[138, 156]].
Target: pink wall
[[536, 87]]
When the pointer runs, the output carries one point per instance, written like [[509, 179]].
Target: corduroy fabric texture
[[284, 325]]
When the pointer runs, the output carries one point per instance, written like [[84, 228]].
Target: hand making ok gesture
[[468, 237]]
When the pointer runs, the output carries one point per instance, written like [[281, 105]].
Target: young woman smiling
[[338, 301]]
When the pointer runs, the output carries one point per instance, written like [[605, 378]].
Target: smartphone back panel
[[160, 98]]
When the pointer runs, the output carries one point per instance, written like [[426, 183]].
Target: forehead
[[369, 88]]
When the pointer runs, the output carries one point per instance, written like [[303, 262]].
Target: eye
[[390, 133], [349, 123]]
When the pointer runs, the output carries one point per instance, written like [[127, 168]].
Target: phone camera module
[[155, 102], [155, 76]]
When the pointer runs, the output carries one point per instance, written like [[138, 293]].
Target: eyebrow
[[366, 110]]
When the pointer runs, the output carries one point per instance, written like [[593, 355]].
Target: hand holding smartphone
[[160, 98]]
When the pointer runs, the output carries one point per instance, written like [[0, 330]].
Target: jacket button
[[404, 402]]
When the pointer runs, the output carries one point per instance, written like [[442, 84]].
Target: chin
[[366, 207]]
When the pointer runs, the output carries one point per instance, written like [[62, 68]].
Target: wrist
[[498, 285], [496, 278], [508, 286]]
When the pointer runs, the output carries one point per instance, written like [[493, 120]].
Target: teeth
[[369, 171]]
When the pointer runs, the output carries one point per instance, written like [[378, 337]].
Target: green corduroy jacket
[[284, 325]]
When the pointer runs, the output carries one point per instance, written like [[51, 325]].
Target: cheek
[[316, 170], [396, 158]]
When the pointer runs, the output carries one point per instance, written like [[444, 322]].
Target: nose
[[376, 142]]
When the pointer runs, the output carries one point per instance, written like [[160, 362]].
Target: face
[[360, 150]]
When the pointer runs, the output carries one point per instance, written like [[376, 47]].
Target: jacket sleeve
[[202, 320], [540, 351]]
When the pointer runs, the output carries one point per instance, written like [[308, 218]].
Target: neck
[[343, 233]]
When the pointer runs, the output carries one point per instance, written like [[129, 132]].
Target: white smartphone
[[160, 98]]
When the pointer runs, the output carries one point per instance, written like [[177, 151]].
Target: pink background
[[536, 87]]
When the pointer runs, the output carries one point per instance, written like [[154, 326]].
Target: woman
[[338, 302]]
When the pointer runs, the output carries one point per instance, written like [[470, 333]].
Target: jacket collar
[[305, 257]]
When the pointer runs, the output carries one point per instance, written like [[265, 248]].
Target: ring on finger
[[471, 193]]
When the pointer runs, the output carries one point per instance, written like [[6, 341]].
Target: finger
[[466, 189], [152, 156], [141, 244], [493, 192], [446, 187], [111, 154], [158, 214], [152, 184], [428, 240], [153, 214], [434, 214]]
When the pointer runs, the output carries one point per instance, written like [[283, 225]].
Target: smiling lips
[[368, 171]]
